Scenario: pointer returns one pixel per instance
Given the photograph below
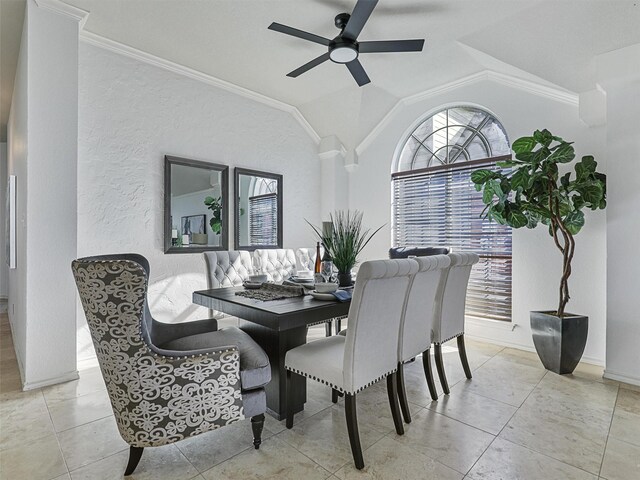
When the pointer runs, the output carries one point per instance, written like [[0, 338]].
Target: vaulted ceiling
[[550, 41]]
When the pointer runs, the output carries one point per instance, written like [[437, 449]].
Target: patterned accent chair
[[450, 323], [369, 350], [279, 263], [166, 382]]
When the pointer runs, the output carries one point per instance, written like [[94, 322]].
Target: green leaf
[[523, 144], [482, 176], [487, 194], [543, 137], [517, 219], [520, 179], [574, 221], [591, 193], [509, 163], [565, 179], [208, 200], [585, 167], [563, 154]]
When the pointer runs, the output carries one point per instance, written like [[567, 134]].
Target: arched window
[[435, 202], [263, 211]]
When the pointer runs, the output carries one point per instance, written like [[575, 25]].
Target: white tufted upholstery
[[450, 323], [424, 302], [228, 268], [306, 258], [279, 264], [371, 345]]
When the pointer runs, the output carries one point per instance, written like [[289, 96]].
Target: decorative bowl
[[326, 287]]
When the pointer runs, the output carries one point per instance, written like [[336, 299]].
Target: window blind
[[439, 206], [263, 219]]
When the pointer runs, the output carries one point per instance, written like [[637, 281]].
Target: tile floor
[[512, 421]]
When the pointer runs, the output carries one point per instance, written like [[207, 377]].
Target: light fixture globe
[[343, 54]]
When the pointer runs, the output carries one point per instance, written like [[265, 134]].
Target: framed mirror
[[196, 212], [258, 209]]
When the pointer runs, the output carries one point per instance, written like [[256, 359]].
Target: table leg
[[276, 344]]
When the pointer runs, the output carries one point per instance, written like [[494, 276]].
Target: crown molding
[[62, 8], [134, 53], [553, 93]]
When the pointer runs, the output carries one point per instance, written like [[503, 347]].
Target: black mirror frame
[[224, 193], [236, 206]]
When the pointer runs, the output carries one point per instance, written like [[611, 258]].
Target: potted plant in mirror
[[215, 205], [532, 190], [344, 241]]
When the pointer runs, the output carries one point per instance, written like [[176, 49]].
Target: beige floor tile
[[628, 400], [581, 391], [19, 402], [504, 460], [446, 440], [627, 386], [211, 448], [274, 460], [90, 442], [41, 461], [390, 460], [520, 357], [576, 436], [324, 438], [157, 463], [90, 381], [621, 461], [65, 476], [503, 380], [22, 428], [626, 427], [77, 411], [475, 410]]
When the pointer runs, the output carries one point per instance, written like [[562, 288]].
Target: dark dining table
[[277, 326]]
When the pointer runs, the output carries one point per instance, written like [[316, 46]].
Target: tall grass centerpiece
[[345, 240]]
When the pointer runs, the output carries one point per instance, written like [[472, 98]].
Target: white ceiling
[[543, 40]]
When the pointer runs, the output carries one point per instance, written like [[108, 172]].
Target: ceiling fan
[[345, 48]]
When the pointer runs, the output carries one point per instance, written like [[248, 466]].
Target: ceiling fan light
[[343, 54]]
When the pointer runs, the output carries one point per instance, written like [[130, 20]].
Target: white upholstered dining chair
[[369, 350], [450, 323], [228, 268], [424, 301], [278, 263]]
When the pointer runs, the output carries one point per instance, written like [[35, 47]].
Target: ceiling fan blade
[[308, 66], [359, 17], [294, 32], [391, 46], [356, 69]]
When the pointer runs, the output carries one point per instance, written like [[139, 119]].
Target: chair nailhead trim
[[335, 387], [447, 339]]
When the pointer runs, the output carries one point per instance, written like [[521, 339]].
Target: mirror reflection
[[258, 210], [196, 205]]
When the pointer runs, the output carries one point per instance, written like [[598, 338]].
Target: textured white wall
[[536, 262], [4, 271], [622, 84], [42, 154], [132, 114]]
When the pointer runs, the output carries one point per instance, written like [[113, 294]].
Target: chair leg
[[334, 395], [338, 325], [352, 428], [289, 390], [257, 423], [392, 391], [402, 394], [135, 453], [327, 329], [463, 356], [428, 373], [440, 368]]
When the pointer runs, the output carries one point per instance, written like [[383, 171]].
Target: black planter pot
[[559, 341], [344, 279]]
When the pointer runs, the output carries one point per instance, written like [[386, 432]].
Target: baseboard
[[621, 378], [526, 348], [67, 377]]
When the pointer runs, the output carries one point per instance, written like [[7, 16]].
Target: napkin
[[342, 295]]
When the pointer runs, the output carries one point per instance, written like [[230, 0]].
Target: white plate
[[322, 296]]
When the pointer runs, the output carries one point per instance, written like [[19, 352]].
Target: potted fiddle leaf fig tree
[[536, 187]]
